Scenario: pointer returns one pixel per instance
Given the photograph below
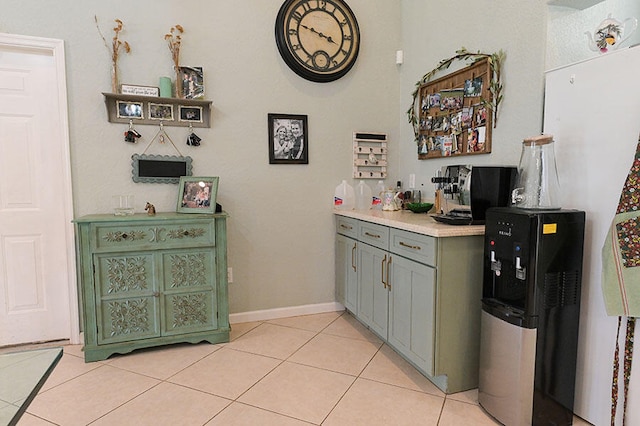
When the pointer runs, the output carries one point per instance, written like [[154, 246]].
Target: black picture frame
[[288, 139]]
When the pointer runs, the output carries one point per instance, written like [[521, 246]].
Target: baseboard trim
[[291, 311]]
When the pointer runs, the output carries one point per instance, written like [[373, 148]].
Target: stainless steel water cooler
[[530, 315]]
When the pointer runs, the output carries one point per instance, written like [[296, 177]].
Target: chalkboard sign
[[159, 168]]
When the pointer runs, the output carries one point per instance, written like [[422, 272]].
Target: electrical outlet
[[229, 275]]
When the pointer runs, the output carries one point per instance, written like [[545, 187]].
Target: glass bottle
[[537, 184]]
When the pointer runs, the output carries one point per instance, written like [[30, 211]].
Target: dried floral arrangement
[[495, 84], [174, 40], [114, 49]]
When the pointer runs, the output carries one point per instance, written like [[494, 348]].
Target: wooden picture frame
[[288, 139], [129, 110], [454, 113], [197, 194]]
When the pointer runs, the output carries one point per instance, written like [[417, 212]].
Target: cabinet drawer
[[418, 247], [150, 235], [375, 235], [347, 226]]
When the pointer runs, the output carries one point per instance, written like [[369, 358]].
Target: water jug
[[537, 184], [363, 196], [344, 197], [377, 195]]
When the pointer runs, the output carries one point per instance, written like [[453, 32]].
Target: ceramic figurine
[[611, 33], [150, 208]]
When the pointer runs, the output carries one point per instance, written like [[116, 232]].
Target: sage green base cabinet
[[422, 295], [346, 269], [151, 280]]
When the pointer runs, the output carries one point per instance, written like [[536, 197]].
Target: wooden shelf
[[178, 112]]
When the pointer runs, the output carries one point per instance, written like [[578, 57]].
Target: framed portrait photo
[[129, 110], [288, 139], [190, 113], [197, 194], [161, 112]]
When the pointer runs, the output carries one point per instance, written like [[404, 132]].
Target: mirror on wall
[[569, 20]]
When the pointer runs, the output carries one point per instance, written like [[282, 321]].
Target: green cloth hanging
[[621, 251]]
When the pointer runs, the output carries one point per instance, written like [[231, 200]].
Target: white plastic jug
[[363, 196], [344, 198], [377, 196]]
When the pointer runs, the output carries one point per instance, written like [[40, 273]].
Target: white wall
[[433, 30], [280, 225], [567, 42]]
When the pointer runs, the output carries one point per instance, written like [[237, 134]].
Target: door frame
[[56, 48]]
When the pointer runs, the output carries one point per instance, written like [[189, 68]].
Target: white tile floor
[[324, 369]]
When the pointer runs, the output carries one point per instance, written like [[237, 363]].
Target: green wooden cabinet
[[346, 272], [412, 312], [346, 263], [422, 295], [151, 280]]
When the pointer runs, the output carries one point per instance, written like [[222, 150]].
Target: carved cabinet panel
[[151, 280]]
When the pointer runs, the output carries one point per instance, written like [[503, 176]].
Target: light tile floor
[[324, 369]]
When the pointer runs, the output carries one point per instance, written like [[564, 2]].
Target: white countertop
[[420, 223]]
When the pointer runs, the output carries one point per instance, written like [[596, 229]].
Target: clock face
[[319, 40]]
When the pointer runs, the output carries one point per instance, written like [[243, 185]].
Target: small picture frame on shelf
[[197, 194], [130, 89], [126, 109], [192, 82], [288, 140], [190, 113], [161, 112]]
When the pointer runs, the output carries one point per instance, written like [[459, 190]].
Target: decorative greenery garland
[[495, 86]]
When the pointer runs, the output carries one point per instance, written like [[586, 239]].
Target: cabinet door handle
[[353, 257], [346, 227], [371, 235], [388, 267], [403, 244], [384, 260]]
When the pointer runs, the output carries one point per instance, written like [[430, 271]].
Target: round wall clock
[[319, 40]]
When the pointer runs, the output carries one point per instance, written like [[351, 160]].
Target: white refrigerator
[[592, 108]]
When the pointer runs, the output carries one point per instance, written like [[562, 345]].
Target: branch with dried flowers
[[114, 49], [495, 82], [174, 40]]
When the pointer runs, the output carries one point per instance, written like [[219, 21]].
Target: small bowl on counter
[[419, 207]]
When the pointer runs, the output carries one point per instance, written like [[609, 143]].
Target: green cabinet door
[[373, 295], [127, 306], [189, 293], [346, 272], [412, 311]]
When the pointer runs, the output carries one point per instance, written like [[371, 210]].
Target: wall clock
[[319, 40]]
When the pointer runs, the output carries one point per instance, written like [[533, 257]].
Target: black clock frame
[[304, 72]]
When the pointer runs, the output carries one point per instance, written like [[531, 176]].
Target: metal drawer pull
[[410, 246], [382, 271], [353, 257], [372, 235], [388, 267], [346, 227]]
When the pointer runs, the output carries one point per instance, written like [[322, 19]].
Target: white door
[[38, 301]]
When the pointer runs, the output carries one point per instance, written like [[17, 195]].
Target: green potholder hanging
[[621, 251]]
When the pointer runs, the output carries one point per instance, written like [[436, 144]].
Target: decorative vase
[[114, 78]]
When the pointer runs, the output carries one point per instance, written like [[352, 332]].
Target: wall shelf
[[153, 110], [369, 155]]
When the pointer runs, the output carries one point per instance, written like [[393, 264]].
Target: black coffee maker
[[484, 187]]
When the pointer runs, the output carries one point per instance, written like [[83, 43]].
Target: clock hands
[[313, 30]]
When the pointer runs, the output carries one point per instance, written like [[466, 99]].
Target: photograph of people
[[288, 140]]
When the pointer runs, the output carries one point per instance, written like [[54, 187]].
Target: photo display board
[[454, 113]]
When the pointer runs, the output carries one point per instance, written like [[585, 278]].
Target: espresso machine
[[464, 192]]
